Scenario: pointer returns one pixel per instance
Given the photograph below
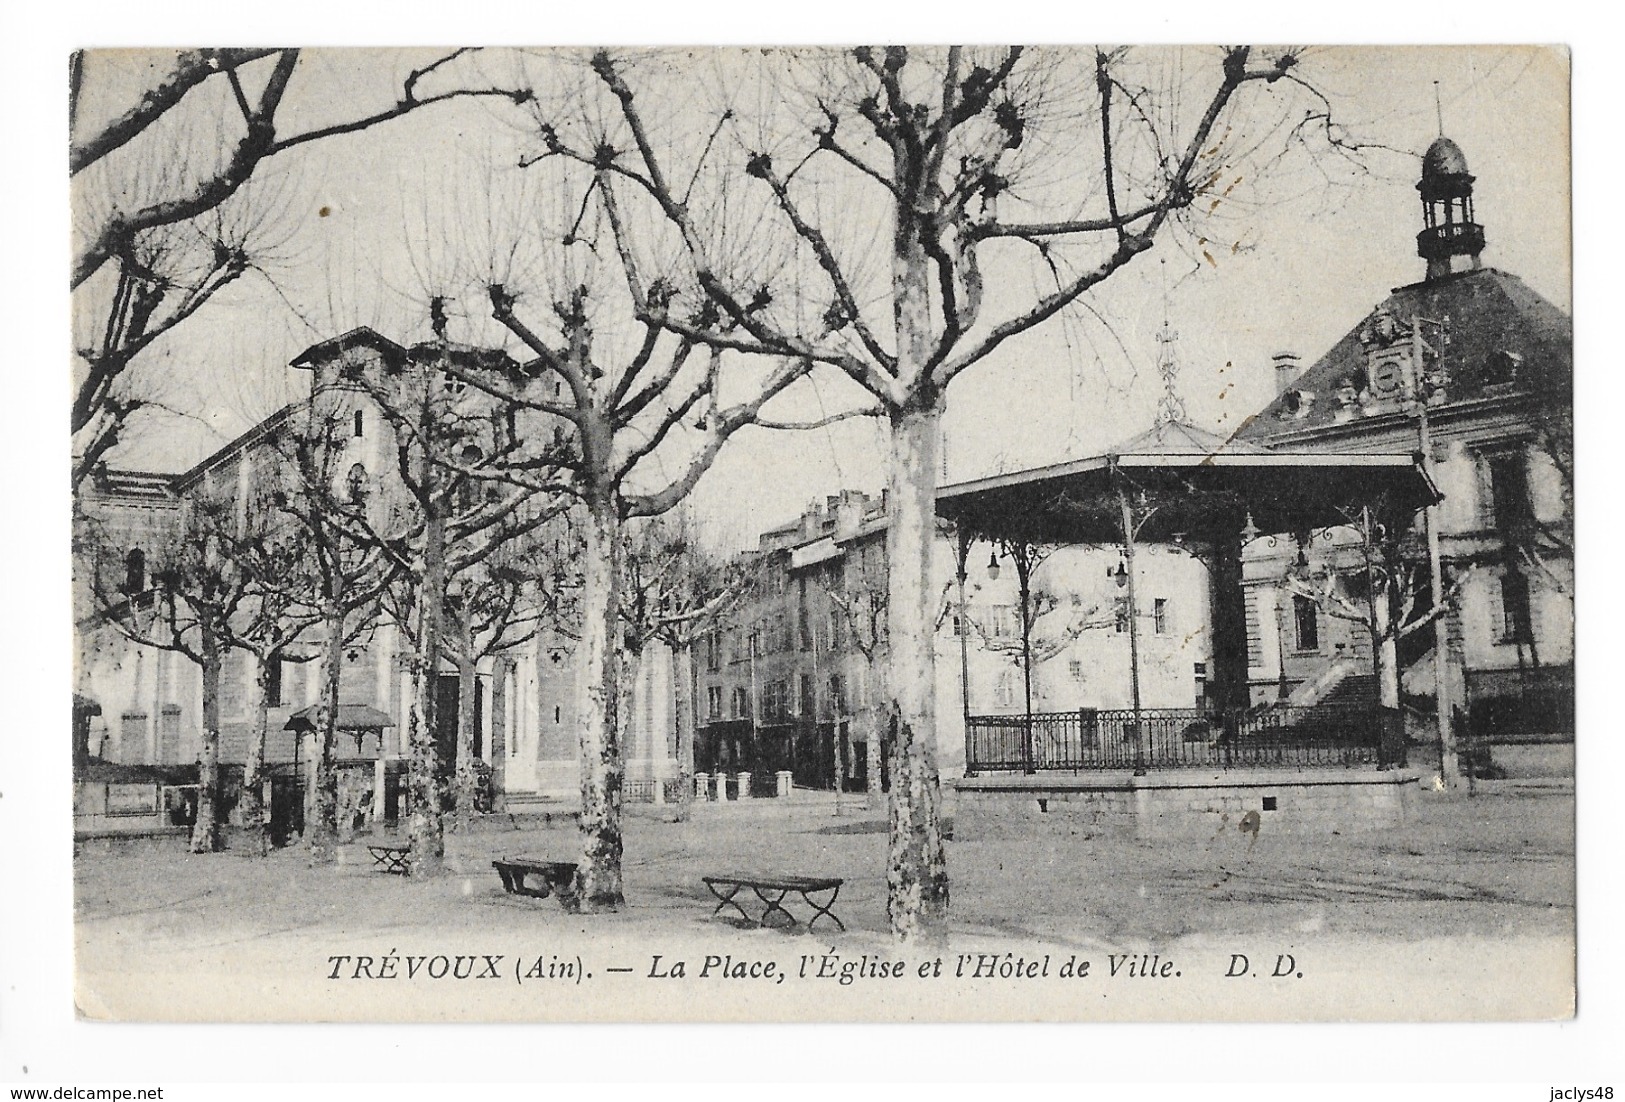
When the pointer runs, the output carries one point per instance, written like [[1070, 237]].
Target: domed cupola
[[1451, 241]]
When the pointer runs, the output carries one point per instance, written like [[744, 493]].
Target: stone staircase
[[1328, 686], [1355, 689]]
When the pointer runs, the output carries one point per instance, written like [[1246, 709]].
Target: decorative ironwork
[[1170, 407], [1175, 738]]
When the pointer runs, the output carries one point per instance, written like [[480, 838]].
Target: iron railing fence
[[642, 790], [1173, 738]]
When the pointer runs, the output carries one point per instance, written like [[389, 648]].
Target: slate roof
[[1490, 312]]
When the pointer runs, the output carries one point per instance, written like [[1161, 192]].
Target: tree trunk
[[598, 874], [467, 687], [875, 717], [917, 873], [682, 680], [426, 830], [256, 825], [1384, 648], [631, 659], [498, 753], [323, 825], [206, 833]]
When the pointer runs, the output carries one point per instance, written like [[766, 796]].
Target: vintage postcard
[[822, 534]]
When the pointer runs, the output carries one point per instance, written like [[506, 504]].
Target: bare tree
[[1047, 622], [351, 536], [163, 152], [181, 597], [274, 552], [675, 591], [638, 419], [1062, 163], [856, 591], [473, 476], [1384, 595]]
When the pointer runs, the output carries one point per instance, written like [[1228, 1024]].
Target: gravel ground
[[1470, 885]]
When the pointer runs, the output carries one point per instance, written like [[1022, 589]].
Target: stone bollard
[[744, 786], [784, 779], [702, 787]]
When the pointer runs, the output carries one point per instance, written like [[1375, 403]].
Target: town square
[[888, 534]]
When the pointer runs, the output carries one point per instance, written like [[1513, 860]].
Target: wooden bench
[[771, 890], [554, 877], [390, 858]]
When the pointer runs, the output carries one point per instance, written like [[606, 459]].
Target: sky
[[1297, 260]]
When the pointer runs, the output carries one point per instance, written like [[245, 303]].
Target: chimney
[[849, 514], [1287, 370]]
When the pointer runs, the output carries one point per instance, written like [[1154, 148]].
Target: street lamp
[[1429, 389], [1249, 531], [993, 566]]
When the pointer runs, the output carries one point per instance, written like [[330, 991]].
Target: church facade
[[146, 701]]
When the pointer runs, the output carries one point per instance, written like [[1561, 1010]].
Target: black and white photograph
[[831, 533]]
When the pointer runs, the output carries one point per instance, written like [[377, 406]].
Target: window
[[713, 701], [1159, 615], [713, 652], [1074, 669], [803, 616], [809, 703], [135, 572], [837, 695], [355, 484], [741, 702], [778, 693], [999, 621], [1512, 608], [1504, 477], [1306, 622], [357, 429], [273, 684], [1004, 689]]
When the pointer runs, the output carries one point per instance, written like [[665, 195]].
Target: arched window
[[355, 484], [135, 572]]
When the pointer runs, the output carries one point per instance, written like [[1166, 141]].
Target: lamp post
[[1024, 556], [964, 647], [1425, 386], [1125, 582]]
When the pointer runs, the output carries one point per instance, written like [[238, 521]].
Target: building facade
[[522, 688], [794, 679], [1473, 370]]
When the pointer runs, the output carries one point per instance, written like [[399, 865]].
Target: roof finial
[[1438, 107], [1170, 408]]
